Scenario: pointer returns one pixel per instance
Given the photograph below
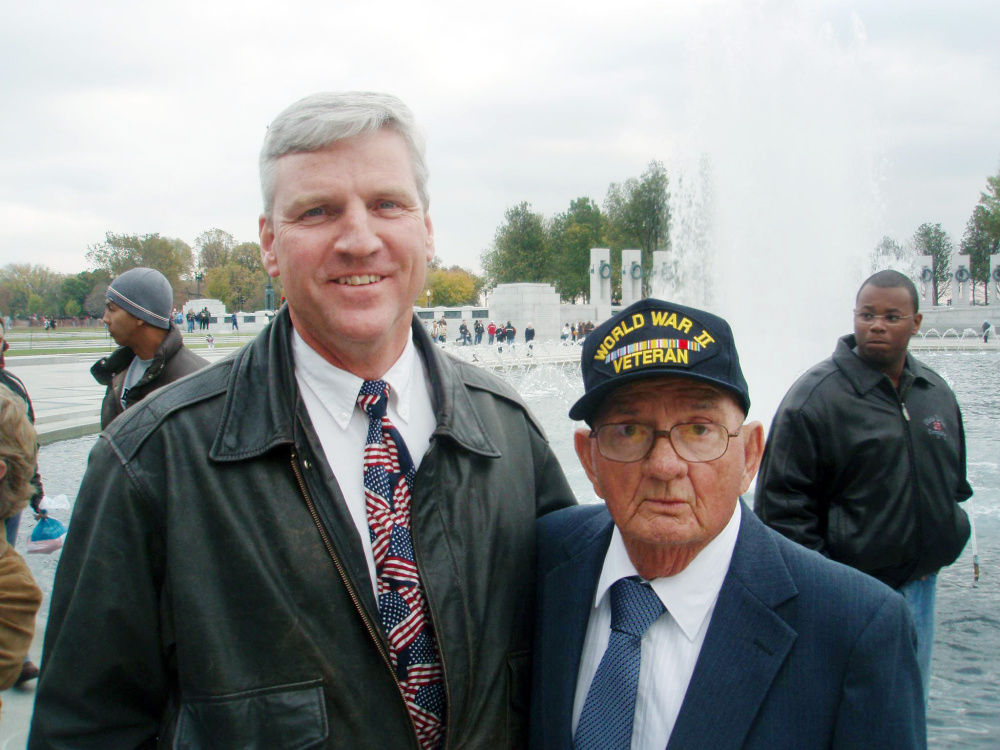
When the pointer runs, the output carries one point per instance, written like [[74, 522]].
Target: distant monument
[[600, 282], [925, 279], [631, 276], [961, 278]]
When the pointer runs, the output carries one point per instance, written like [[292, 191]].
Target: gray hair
[[322, 119]]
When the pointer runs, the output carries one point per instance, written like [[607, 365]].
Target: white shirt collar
[[338, 389], [690, 595]]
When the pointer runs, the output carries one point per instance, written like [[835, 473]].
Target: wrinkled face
[[881, 344], [123, 326], [663, 501], [351, 241]]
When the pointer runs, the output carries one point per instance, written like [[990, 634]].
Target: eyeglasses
[[892, 319], [695, 442]]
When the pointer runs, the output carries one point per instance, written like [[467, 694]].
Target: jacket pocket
[[285, 717], [518, 697]]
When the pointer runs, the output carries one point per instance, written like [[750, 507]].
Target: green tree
[[989, 199], [247, 254], [978, 244], [214, 248], [450, 287], [31, 289], [238, 287], [73, 308], [79, 286], [571, 236], [518, 252], [638, 214], [121, 252], [931, 239]]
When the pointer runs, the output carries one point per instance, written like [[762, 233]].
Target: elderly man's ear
[[585, 448], [753, 446]]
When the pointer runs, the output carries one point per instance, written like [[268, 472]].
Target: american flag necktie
[[389, 473]]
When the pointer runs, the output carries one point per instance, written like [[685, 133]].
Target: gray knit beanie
[[146, 294]]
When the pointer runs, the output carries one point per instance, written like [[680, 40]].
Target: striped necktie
[[389, 473], [609, 710]]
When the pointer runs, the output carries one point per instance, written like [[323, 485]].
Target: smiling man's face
[[351, 240]]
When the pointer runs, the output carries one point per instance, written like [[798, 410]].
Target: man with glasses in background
[[865, 461], [670, 616]]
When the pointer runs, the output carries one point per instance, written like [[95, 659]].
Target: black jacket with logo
[[866, 478], [213, 591], [171, 362]]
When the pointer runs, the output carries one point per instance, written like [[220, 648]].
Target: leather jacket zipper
[[350, 589]]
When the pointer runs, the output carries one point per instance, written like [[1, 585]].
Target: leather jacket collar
[[105, 369], [865, 377], [262, 397]]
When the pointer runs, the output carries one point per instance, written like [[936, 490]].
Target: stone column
[[631, 276]]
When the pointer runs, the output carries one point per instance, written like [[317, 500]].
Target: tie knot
[[374, 397], [634, 606]]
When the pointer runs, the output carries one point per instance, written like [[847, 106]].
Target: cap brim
[[583, 410]]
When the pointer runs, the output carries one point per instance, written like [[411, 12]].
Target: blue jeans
[[920, 596]]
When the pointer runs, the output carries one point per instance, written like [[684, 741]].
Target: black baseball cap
[[653, 339]]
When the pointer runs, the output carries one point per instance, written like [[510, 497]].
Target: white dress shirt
[[671, 646], [330, 396]]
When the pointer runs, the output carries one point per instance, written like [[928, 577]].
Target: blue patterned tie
[[389, 473], [609, 711]]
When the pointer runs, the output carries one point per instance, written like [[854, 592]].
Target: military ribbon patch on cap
[[620, 349]]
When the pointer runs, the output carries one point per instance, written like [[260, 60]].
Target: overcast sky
[[147, 117]]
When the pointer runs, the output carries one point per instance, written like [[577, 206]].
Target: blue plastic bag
[[47, 537]]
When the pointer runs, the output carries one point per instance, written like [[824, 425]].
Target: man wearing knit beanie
[[151, 350]]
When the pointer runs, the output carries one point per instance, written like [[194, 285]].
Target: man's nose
[[663, 461], [355, 231]]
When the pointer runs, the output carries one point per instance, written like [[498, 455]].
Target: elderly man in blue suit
[[670, 616]]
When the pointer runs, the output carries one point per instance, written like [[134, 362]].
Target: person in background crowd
[[327, 539], [865, 461], [12, 521], [529, 335], [491, 329], [19, 595], [442, 330], [510, 332], [151, 350], [986, 331], [463, 334], [565, 332], [234, 322], [190, 320], [478, 328]]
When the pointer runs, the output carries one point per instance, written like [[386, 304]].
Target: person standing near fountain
[[865, 460]]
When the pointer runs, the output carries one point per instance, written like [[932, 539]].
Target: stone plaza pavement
[[67, 404]]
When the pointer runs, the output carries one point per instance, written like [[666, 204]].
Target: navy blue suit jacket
[[801, 652]]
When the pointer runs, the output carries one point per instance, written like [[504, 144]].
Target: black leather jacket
[[864, 476], [171, 362], [213, 592]]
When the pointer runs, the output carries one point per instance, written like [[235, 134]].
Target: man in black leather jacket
[[215, 590], [865, 460]]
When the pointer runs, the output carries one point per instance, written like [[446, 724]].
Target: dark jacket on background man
[[171, 362], [242, 613], [865, 474]]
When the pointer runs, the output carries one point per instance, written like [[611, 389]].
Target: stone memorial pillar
[[925, 280], [631, 276], [993, 298], [961, 280], [600, 282]]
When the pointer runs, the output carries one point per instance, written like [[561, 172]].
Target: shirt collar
[[338, 389], [688, 596]]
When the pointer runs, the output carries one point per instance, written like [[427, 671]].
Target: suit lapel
[[745, 646], [568, 596]]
